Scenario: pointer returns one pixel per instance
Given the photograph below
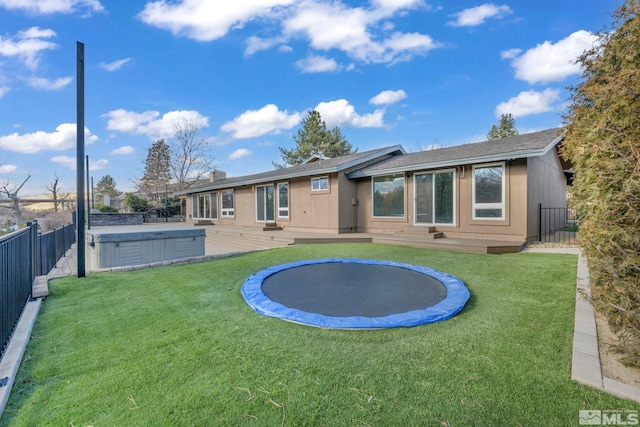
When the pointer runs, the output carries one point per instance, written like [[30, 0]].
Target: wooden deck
[[245, 238], [221, 240]]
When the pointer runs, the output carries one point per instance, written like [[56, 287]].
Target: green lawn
[[178, 346]]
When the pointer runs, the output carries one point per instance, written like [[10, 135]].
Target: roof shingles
[[320, 166], [525, 145]]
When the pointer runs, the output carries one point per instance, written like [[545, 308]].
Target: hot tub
[[137, 245]]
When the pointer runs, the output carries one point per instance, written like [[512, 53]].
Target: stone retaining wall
[[113, 219]]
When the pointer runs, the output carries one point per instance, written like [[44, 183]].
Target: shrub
[[135, 203], [106, 209], [603, 142]]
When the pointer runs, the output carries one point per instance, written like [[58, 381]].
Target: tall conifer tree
[[314, 138]]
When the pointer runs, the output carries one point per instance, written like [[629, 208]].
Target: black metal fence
[[25, 254], [557, 225], [17, 271], [53, 246]]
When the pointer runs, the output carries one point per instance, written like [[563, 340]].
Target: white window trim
[[195, 207], [228, 212], [433, 199], [214, 212], [278, 198], [255, 198], [404, 202], [501, 205], [318, 178]]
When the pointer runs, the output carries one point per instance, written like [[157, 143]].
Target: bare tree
[[190, 154], [55, 195], [12, 194]]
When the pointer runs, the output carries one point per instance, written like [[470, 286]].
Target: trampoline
[[355, 293]]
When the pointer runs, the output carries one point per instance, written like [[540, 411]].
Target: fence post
[[35, 250], [539, 222]]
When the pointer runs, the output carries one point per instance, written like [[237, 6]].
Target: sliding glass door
[[265, 206], [434, 198]]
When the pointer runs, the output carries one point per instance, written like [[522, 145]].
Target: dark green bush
[[603, 143]]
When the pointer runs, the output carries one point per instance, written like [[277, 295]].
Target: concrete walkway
[[585, 364]]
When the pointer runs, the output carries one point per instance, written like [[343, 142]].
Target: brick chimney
[[217, 175]]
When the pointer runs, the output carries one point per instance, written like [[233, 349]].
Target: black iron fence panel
[[53, 246], [24, 255], [17, 272], [557, 225]]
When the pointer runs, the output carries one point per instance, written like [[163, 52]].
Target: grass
[[178, 346]]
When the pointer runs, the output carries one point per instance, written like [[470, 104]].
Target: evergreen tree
[[106, 187], [602, 141], [156, 169], [314, 138], [135, 203], [505, 129]]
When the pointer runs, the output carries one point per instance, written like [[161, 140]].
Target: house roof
[[515, 147], [317, 167]]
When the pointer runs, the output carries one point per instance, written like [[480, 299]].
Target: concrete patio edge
[[585, 362], [15, 350]]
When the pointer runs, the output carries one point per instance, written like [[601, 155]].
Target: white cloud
[[70, 163], [126, 149], [399, 4], [46, 7], [114, 65], [388, 97], [548, 62], [4, 90], [253, 123], [529, 102], [239, 153], [27, 45], [46, 84], [256, 44], [360, 32], [98, 164], [8, 168], [340, 112], [66, 161], [475, 16], [510, 54], [150, 123], [317, 64], [356, 31], [207, 20], [63, 138]]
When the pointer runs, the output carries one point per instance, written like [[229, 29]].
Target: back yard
[[178, 346]]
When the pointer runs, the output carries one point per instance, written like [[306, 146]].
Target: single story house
[[484, 190]]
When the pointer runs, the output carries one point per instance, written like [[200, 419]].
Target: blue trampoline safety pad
[[344, 293]]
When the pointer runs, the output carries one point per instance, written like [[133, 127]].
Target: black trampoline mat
[[353, 289]]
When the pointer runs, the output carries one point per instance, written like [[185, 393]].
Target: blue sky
[[413, 72]]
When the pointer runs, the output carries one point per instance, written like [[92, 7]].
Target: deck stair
[[245, 239], [421, 232], [248, 239], [271, 226]]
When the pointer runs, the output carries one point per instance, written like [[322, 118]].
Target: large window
[[204, 206], [388, 196], [227, 203], [283, 200], [434, 197], [489, 192], [320, 183]]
